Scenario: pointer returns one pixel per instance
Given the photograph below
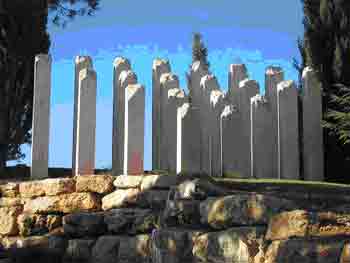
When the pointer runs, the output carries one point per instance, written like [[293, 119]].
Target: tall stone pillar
[[237, 73], [126, 77], [134, 129], [230, 134], [41, 116], [217, 104], [273, 76], [288, 132], [208, 84], [81, 62], [188, 141], [167, 81], [86, 123], [247, 89], [262, 152], [313, 162], [160, 66], [176, 98], [120, 64]]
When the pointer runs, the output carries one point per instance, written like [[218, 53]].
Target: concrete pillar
[[262, 139], [134, 129], [167, 81], [208, 84], [313, 161], [217, 103], [237, 73], [41, 116], [86, 123], [160, 66], [81, 62], [120, 64], [273, 76], [230, 134], [188, 141], [126, 78], [288, 132], [176, 97], [247, 89]]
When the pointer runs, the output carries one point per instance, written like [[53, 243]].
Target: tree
[[199, 51], [23, 35], [326, 48]]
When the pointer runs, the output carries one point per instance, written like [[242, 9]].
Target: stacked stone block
[[155, 218]]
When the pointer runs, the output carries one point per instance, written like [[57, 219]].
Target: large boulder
[[304, 251], [25, 242], [239, 244], [130, 220], [84, 224], [120, 198], [8, 220], [66, 203], [242, 209], [145, 182], [302, 223], [50, 187], [101, 184]]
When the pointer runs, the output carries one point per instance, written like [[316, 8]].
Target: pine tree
[[199, 51], [326, 48]]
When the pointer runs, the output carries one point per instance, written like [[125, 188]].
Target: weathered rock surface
[[198, 189], [181, 212], [35, 224], [135, 249], [131, 221], [106, 249], [155, 199], [120, 198], [79, 249], [301, 223], [8, 220], [145, 182], [9, 190], [12, 201], [300, 250], [84, 224], [66, 203], [49, 187], [171, 246], [125, 181], [25, 242], [239, 244], [158, 182], [243, 209], [101, 184]]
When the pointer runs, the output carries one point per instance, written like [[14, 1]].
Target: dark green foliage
[[199, 51], [326, 48]]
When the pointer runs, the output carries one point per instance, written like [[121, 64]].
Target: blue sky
[[257, 33]]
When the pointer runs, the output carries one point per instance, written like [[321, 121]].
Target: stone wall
[[160, 218]]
